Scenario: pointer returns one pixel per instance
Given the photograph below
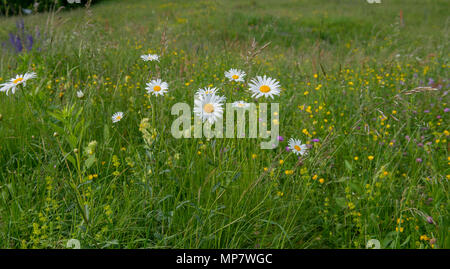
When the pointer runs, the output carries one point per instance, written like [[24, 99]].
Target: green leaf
[[355, 187], [406, 241], [57, 116], [79, 127], [340, 201], [106, 133], [348, 165], [89, 162], [72, 141], [56, 128], [71, 159]]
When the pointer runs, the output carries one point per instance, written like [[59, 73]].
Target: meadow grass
[[369, 84]]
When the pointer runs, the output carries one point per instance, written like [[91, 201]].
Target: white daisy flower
[[201, 93], [297, 147], [209, 107], [157, 87], [241, 104], [235, 75], [12, 84], [206, 91], [150, 57], [264, 86], [5, 87], [117, 117], [80, 94]]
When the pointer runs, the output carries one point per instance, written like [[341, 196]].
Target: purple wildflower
[[29, 43], [15, 41]]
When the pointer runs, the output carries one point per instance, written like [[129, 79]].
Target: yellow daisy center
[[17, 80], [235, 76], [297, 148], [241, 104], [264, 89], [118, 117], [157, 88], [208, 108]]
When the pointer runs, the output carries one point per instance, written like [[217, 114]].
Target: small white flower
[[12, 84], [297, 147], [202, 93], [373, 244], [209, 107], [235, 75], [241, 104], [157, 87], [80, 94], [264, 86], [150, 57], [117, 117]]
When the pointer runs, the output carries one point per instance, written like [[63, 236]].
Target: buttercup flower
[[117, 117], [157, 87], [241, 104], [235, 75], [14, 82], [209, 107], [150, 57], [297, 147], [264, 86]]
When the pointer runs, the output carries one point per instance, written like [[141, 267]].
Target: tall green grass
[[347, 68]]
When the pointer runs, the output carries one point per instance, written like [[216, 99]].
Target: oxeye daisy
[[150, 57], [206, 91], [241, 104], [264, 86], [235, 75], [209, 107], [157, 87], [80, 94], [201, 93], [117, 117], [14, 82], [297, 147]]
